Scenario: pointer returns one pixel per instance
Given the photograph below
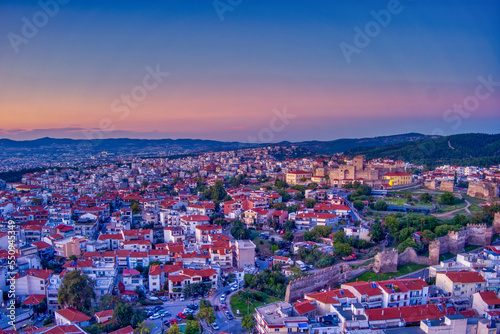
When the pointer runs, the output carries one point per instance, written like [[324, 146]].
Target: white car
[[153, 298], [155, 316], [215, 326], [234, 288], [182, 299]]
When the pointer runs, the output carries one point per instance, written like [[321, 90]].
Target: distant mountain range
[[342, 145], [183, 146], [464, 149], [472, 149]]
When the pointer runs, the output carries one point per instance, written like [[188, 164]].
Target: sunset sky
[[228, 71]]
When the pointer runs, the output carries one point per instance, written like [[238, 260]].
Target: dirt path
[[466, 208]]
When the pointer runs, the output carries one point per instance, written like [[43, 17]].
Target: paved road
[[422, 273], [226, 325], [174, 307]]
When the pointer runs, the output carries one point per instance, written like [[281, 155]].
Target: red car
[[174, 321], [224, 308], [182, 315]]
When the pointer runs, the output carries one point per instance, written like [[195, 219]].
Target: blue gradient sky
[[226, 76]]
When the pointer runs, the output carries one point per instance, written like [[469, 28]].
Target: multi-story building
[[368, 294], [397, 178], [132, 279], [177, 281], [33, 282], [307, 220], [173, 234], [277, 318], [55, 282], [70, 246], [297, 177], [190, 222], [487, 301], [461, 283], [245, 253], [158, 274], [403, 292], [204, 233]]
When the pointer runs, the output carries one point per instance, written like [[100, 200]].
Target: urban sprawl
[[244, 241]]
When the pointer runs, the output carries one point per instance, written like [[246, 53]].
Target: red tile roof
[[73, 315], [410, 314], [33, 300], [332, 296], [125, 330], [465, 277], [365, 288], [304, 307], [104, 314], [490, 298]]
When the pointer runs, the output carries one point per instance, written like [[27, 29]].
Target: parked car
[[182, 315], [215, 326], [182, 298], [234, 288], [153, 298], [163, 298], [155, 316], [174, 321]]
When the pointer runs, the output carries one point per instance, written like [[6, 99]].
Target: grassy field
[[356, 266], [240, 304], [470, 248], [446, 208], [402, 270], [473, 200], [446, 256]]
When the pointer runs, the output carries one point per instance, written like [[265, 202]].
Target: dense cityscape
[[244, 166], [224, 241]]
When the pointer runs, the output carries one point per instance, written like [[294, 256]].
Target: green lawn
[[473, 200], [470, 248], [240, 304], [402, 270], [396, 201], [446, 256], [356, 266], [446, 208]]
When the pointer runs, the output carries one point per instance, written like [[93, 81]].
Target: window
[[276, 329]]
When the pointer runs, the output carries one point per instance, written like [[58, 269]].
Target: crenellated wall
[[454, 242], [326, 278]]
